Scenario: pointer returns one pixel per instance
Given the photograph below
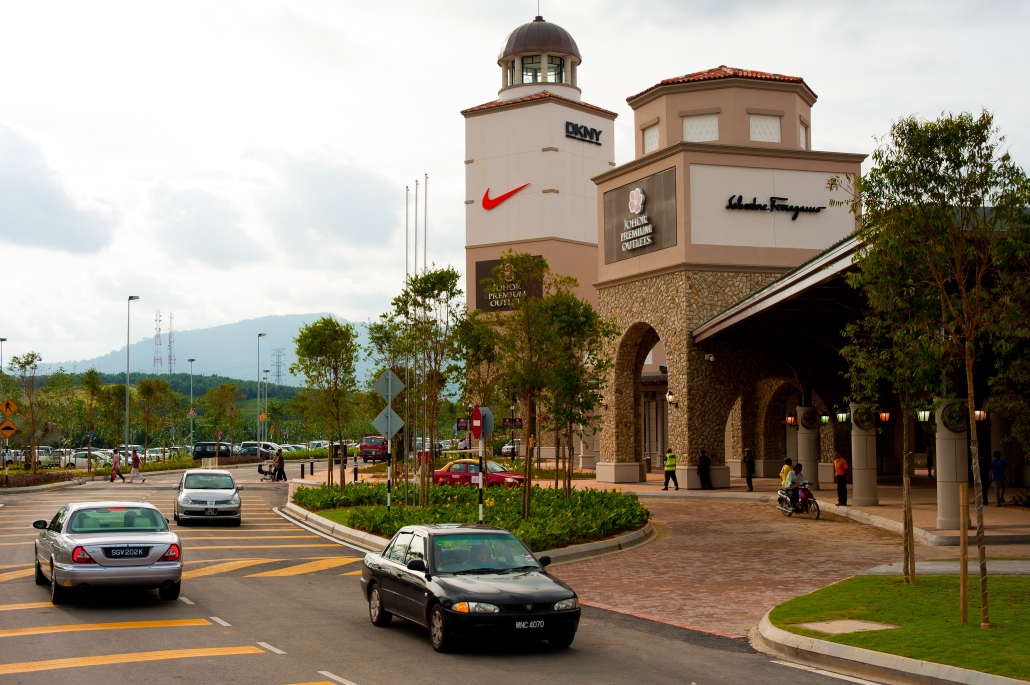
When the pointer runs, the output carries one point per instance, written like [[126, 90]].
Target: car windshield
[[116, 520], [494, 467], [489, 553], [374, 442], [208, 481]]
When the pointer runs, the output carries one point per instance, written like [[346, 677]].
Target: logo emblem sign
[[489, 204], [636, 201]]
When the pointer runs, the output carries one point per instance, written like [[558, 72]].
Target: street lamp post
[[266, 372], [2, 341], [258, 448], [191, 403], [128, 320]]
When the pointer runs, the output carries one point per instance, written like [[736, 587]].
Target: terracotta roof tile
[[542, 95], [722, 72]]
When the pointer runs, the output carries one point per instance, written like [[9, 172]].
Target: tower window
[[701, 128], [531, 69], [555, 69], [650, 139], [511, 73], [765, 128], [803, 137]]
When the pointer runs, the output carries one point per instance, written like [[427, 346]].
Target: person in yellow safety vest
[[788, 466], [670, 468]]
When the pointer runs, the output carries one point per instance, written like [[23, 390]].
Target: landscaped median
[[920, 622], [586, 516]]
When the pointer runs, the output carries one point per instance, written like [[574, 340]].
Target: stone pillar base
[[617, 472], [586, 461], [736, 467], [826, 480], [689, 479], [768, 468]]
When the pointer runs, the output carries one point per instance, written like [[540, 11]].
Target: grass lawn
[[927, 614], [341, 516]]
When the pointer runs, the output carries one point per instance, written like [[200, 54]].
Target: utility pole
[[191, 402], [128, 320]]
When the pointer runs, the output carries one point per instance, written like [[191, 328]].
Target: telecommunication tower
[[158, 357], [277, 364], [171, 345]]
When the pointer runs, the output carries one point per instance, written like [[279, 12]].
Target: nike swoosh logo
[[489, 204]]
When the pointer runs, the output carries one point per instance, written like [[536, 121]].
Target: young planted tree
[[476, 341], [327, 351], [92, 391], [224, 411], [938, 201], [154, 400], [32, 411], [57, 397]]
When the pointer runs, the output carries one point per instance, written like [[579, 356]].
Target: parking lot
[[272, 603]]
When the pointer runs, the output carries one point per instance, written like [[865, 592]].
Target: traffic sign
[[477, 423], [264, 416], [192, 414], [388, 385], [7, 428], [8, 407], [487, 418], [219, 435], [388, 423]]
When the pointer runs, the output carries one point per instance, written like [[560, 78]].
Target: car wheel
[[813, 509], [58, 595], [379, 616], [365, 460], [438, 630], [40, 578], [170, 593], [180, 522], [561, 642], [237, 522]]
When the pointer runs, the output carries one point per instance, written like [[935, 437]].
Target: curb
[[866, 662], [921, 535], [564, 555], [48, 486], [705, 495]]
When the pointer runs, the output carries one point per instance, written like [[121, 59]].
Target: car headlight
[[235, 499], [476, 608], [183, 499], [571, 603]]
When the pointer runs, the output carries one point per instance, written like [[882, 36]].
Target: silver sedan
[[94, 544], [207, 494]]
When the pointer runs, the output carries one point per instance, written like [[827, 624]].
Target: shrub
[[586, 516]]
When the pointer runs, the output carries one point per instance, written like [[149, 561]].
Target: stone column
[[573, 68], [518, 70], [808, 446], [952, 461], [504, 75], [863, 463], [543, 68]]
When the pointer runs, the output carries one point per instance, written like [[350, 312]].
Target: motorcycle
[[806, 502]]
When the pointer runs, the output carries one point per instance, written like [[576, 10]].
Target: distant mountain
[[228, 350]]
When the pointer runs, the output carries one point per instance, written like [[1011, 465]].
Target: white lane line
[[221, 622], [185, 601], [839, 676], [270, 648], [355, 547], [333, 676]]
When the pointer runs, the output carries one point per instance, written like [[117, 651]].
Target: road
[[272, 603]]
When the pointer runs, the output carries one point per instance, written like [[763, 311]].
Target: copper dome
[[539, 36]]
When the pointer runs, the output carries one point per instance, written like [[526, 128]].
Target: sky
[[232, 160]]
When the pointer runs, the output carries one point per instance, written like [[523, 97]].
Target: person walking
[[135, 469], [998, 468], [116, 463], [749, 469], [930, 454], [280, 466], [670, 469], [840, 475], [704, 470], [788, 466]]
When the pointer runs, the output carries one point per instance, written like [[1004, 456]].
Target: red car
[[374, 448], [466, 472]]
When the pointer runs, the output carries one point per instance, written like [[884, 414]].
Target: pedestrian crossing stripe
[[89, 627], [309, 567], [225, 567], [26, 605], [131, 657], [310, 544], [351, 573], [253, 537]]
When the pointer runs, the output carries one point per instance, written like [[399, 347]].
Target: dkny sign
[[776, 204], [587, 135]]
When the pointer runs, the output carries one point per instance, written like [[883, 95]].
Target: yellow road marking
[[86, 627], [132, 657], [235, 531], [319, 682], [310, 544], [12, 575], [225, 567], [255, 537], [15, 565], [309, 567], [25, 605], [348, 573]]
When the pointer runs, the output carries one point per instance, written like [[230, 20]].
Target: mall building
[[716, 249]]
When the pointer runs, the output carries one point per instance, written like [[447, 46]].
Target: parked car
[[250, 448], [466, 472], [318, 445], [207, 494], [207, 449], [512, 448], [468, 582], [373, 448]]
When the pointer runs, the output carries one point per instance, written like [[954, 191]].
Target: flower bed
[[587, 516], [25, 479]]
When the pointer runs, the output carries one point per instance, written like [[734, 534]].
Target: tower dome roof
[[539, 36]]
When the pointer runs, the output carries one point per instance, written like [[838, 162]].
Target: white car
[[207, 494]]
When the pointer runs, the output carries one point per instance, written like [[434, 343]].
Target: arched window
[[555, 69], [531, 69]]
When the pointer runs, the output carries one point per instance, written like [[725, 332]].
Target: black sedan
[[468, 581]]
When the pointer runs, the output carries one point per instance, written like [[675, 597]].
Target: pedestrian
[[116, 462], [670, 469], [704, 470], [135, 469], [998, 468], [788, 466], [749, 469], [930, 453], [279, 465], [840, 475]]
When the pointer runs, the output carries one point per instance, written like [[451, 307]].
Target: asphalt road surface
[[272, 603]]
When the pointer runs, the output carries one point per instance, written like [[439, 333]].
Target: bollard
[[312, 467], [302, 470]]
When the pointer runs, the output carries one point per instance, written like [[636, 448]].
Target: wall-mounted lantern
[[602, 402], [923, 415], [710, 357], [792, 420], [885, 416], [842, 417], [980, 415], [824, 418], [670, 397]]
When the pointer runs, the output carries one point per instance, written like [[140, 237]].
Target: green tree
[[32, 411], [476, 340], [327, 351], [154, 401], [57, 399], [224, 410], [92, 393]]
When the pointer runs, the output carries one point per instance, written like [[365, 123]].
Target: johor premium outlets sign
[[584, 133], [507, 294], [640, 217]]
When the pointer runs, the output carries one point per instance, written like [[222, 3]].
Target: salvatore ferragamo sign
[[775, 204]]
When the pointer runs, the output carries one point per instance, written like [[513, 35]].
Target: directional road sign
[[7, 428], [8, 407], [388, 385], [192, 414], [388, 423]]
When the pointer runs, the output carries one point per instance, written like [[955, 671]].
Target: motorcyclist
[[795, 479]]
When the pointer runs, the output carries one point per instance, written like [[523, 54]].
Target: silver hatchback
[[207, 494], [93, 544]]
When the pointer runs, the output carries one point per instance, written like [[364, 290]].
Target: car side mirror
[[178, 486], [167, 521], [545, 560], [239, 487], [415, 565], [41, 525]]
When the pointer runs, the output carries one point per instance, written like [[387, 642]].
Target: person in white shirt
[[795, 479]]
